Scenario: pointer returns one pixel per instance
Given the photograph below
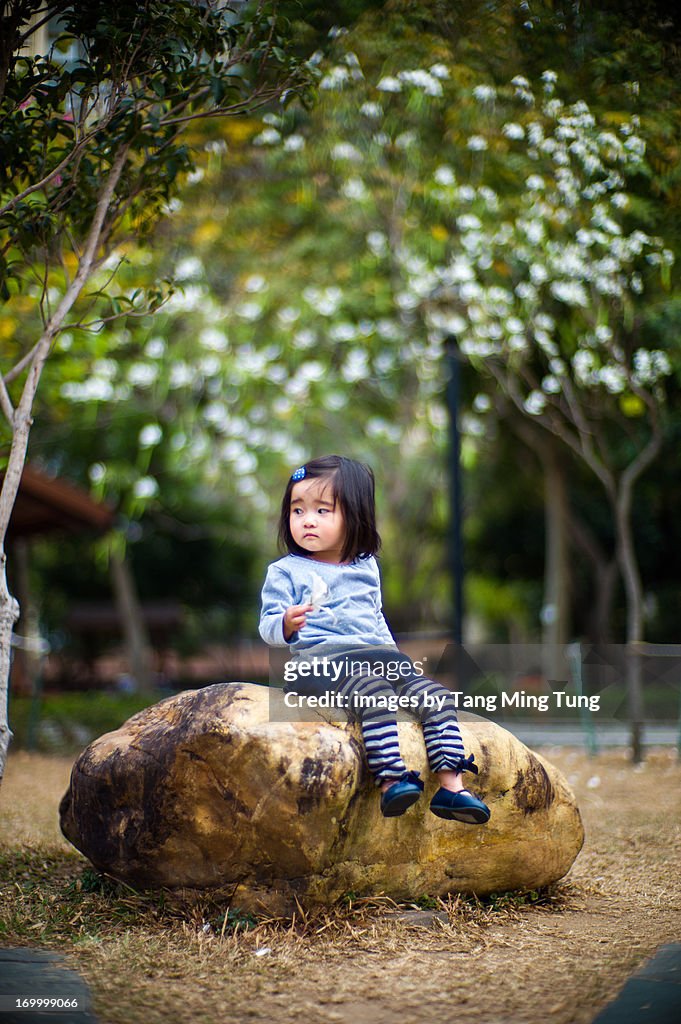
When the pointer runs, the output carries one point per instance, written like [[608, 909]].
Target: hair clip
[[299, 474]]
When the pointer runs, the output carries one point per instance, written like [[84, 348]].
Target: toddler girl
[[323, 600]]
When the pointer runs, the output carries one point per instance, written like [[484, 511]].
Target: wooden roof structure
[[50, 504]]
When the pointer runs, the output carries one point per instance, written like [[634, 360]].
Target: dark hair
[[352, 486]]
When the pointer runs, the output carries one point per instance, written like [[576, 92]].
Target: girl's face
[[316, 520]]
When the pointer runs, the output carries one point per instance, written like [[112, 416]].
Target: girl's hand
[[294, 619]]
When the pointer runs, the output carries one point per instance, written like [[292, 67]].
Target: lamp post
[[453, 363]]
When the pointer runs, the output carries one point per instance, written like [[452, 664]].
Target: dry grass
[[558, 954]]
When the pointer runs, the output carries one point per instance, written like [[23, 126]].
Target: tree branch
[[6, 403], [40, 351]]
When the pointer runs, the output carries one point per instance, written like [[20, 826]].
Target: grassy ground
[[557, 955]]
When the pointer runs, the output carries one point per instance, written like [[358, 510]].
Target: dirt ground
[[559, 960]]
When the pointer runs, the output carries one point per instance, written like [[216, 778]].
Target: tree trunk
[[604, 576], [33, 647], [9, 613], [135, 635], [626, 557], [556, 611]]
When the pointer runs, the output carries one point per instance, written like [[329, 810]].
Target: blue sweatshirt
[[348, 605]]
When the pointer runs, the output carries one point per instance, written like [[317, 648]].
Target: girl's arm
[[382, 628], [277, 597]]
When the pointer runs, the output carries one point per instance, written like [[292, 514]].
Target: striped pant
[[373, 700]]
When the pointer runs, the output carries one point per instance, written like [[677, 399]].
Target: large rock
[[205, 789]]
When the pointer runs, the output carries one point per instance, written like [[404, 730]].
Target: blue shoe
[[463, 806], [401, 795]]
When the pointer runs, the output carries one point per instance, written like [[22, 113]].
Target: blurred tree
[[93, 151], [286, 326], [504, 216]]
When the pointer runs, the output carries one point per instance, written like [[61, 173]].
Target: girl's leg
[[446, 754], [444, 744], [364, 699]]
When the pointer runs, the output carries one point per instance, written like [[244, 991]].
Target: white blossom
[[468, 222], [267, 137], [545, 322], [477, 143], [288, 315], [650, 366], [304, 338], [513, 131], [187, 299], [326, 302], [335, 78], [485, 93], [470, 291], [489, 197], [294, 143], [614, 378], [406, 300], [346, 151], [526, 292], [538, 274], [439, 71], [150, 435], [371, 110], [459, 270], [535, 403], [405, 140], [213, 339], [210, 366], [551, 385], [249, 310], [388, 329], [155, 348], [188, 268], [389, 84], [106, 368], [534, 231], [422, 80], [343, 332], [255, 283], [635, 145], [377, 242], [444, 175], [535, 183], [448, 323], [181, 375], [354, 188], [583, 366], [570, 292], [312, 371], [142, 375], [95, 389], [355, 366], [145, 487]]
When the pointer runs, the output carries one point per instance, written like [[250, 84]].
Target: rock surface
[[211, 788]]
